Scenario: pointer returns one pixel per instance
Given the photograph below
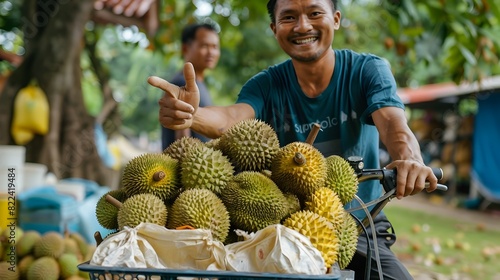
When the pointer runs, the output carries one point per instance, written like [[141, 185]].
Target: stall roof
[[447, 93]]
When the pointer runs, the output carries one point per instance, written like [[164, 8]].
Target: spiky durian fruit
[[213, 143], [142, 208], [250, 145], [299, 168], [200, 208], [266, 172], [319, 230], [179, 147], [254, 201], [105, 212], [81, 242], [204, 167], [68, 263], [23, 265], [50, 244], [71, 246], [326, 203], [348, 240], [293, 203], [44, 268], [151, 173], [7, 272], [341, 178], [27, 242]]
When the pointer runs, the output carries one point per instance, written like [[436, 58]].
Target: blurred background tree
[[93, 66]]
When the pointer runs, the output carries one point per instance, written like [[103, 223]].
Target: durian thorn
[[312, 135], [158, 176], [299, 158], [98, 238], [115, 202]]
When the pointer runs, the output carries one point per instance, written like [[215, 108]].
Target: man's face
[[204, 51], [305, 28]]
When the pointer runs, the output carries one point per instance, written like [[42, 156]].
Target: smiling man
[[351, 95]]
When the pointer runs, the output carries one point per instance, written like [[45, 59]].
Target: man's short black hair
[[189, 32], [271, 7]]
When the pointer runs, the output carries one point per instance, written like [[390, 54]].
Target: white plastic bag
[[275, 249], [152, 246]]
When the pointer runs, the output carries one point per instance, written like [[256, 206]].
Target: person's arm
[[212, 121], [404, 150]]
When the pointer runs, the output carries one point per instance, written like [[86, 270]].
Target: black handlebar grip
[[438, 172]]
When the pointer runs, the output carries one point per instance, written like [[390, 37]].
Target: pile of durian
[[31, 255], [242, 181]]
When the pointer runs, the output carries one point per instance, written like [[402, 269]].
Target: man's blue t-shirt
[[361, 84]]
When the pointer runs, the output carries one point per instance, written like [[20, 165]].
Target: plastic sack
[[275, 249], [31, 114], [153, 246]]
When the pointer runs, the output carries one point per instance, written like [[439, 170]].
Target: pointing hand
[[178, 104]]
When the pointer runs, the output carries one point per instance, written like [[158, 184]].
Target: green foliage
[[129, 67], [456, 34], [10, 15]]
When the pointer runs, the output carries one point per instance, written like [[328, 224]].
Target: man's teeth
[[305, 41]]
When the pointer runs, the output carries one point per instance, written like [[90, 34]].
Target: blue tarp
[[486, 147]]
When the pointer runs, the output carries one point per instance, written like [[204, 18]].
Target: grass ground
[[445, 246]]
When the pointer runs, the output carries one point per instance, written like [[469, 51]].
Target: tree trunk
[[53, 32]]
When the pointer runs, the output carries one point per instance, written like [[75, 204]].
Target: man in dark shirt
[[200, 46]]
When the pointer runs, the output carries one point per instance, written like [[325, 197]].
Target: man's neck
[[314, 77], [200, 76]]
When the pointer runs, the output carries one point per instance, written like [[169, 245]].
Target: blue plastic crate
[[119, 273], [43, 209]]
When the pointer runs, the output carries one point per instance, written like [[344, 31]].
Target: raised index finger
[[162, 84]]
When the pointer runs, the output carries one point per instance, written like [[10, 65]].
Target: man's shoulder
[[273, 71], [279, 69], [353, 55]]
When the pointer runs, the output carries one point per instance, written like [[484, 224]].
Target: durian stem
[[299, 159], [115, 202], [98, 238], [312, 135], [158, 176]]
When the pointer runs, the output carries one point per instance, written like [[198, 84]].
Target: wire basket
[[126, 273]]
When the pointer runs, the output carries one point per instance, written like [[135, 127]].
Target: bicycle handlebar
[[386, 176]]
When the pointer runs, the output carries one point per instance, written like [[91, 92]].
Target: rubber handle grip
[[438, 172]]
